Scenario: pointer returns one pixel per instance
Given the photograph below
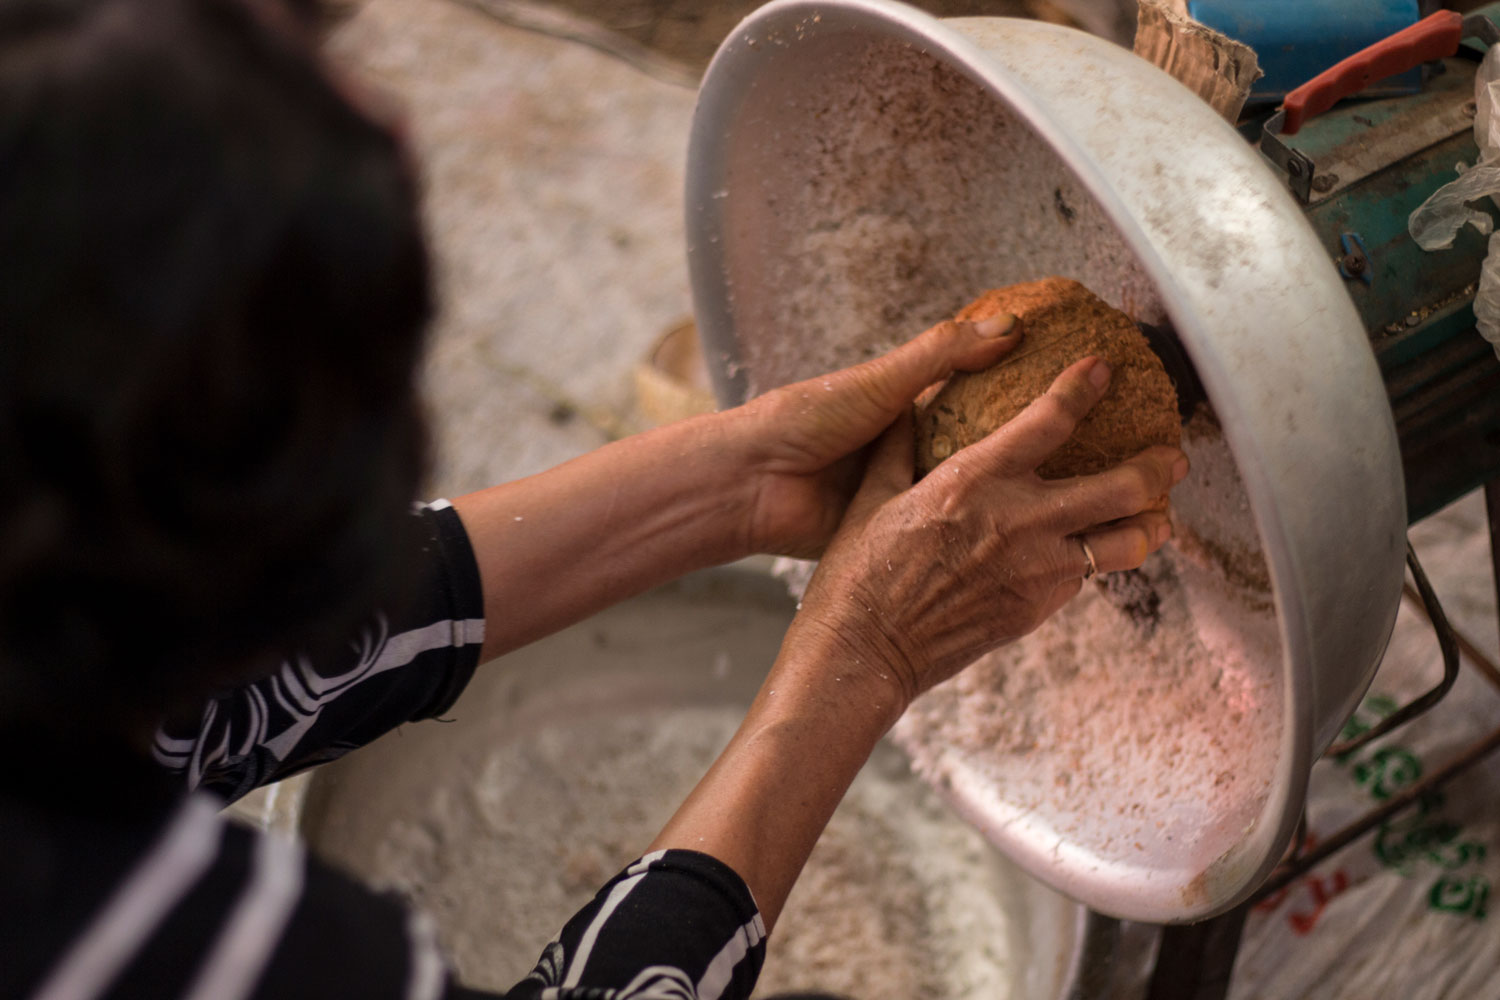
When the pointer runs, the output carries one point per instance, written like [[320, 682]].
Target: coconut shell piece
[[1063, 322]]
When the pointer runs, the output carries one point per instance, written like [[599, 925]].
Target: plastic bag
[[1436, 222], [1405, 912]]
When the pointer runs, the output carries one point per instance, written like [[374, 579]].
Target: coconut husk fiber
[[1063, 322]]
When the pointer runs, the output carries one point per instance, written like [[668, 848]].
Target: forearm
[[762, 806], [555, 547]]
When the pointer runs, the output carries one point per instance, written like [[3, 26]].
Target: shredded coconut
[[912, 191], [900, 900], [1125, 742]]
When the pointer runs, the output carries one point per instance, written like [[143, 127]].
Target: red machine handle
[[1433, 37]]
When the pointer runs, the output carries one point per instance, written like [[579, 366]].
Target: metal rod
[[1477, 658], [1492, 506], [1299, 839], [1286, 874], [1447, 642]]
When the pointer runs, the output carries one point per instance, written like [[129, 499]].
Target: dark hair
[[212, 291]]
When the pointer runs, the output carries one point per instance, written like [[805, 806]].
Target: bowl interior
[[856, 175]]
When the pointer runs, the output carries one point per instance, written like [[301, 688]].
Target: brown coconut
[[1063, 322]]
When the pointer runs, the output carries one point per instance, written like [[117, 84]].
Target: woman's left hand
[[774, 475], [804, 445]]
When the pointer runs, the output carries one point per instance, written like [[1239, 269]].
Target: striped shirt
[[137, 886]]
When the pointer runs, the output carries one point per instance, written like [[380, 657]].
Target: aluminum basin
[[1125, 180], [465, 817]]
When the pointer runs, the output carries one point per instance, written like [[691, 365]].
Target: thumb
[[889, 471], [879, 389]]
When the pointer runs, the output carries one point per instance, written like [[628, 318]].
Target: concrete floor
[[553, 179], [674, 39]]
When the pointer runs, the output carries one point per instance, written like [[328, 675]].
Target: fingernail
[[1179, 470], [994, 326], [1099, 374]]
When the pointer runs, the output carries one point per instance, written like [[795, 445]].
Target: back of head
[[211, 305]]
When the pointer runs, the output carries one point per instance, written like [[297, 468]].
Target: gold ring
[[1088, 554]]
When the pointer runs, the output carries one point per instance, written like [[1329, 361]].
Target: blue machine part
[[1295, 40]]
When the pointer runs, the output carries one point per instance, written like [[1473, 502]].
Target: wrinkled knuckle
[[948, 332], [868, 380], [952, 483], [778, 405], [1065, 566], [1041, 573], [1136, 488], [1158, 472], [1007, 466], [947, 507], [877, 393]]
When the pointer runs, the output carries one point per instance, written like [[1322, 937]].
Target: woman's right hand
[[920, 580]]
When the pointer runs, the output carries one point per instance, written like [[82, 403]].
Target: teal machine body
[[1360, 170]]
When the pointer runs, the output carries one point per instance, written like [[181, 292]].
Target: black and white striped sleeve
[[208, 909], [212, 910], [396, 670], [674, 925]]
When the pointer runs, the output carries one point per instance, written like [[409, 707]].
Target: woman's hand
[[921, 580], [774, 475], [803, 444], [917, 582]]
